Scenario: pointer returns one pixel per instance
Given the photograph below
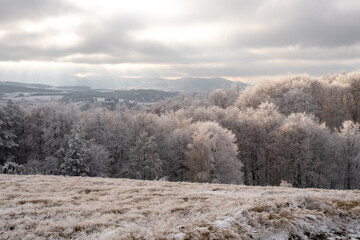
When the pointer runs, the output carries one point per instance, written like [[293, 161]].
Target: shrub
[[13, 168], [285, 184]]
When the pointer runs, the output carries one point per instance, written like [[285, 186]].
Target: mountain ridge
[[178, 85]]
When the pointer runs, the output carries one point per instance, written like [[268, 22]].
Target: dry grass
[[55, 207]]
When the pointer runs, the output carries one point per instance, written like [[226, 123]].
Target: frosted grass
[[57, 207]]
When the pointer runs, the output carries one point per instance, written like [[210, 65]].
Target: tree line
[[302, 130]]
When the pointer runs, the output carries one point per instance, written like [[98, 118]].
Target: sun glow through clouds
[[65, 23], [182, 38], [155, 8], [83, 75], [201, 33]]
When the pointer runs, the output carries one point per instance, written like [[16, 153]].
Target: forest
[[303, 130]]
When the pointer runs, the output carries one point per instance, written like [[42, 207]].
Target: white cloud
[[83, 74], [205, 33], [234, 38]]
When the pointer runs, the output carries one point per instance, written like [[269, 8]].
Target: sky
[[66, 42]]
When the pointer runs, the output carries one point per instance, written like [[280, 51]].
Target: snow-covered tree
[[10, 128], [212, 155], [99, 160], [224, 98], [33, 140], [74, 154], [332, 99], [300, 152], [13, 168], [111, 130], [277, 127], [254, 129], [144, 161], [49, 166], [174, 153], [44, 132], [350, 153]]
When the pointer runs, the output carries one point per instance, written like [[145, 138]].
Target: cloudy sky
[[87, 41]]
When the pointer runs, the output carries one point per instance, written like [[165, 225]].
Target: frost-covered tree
[[277, 127], [224, 98], [301, 152], [174, 156], [144, 122], [10, 128], [99, 160], [350, 153], [352, 89], [44, 131], [254, 129], [212, 155], [33, 140], [111, 130], [144, 161], [49, 166], [74, 154], [13, 168], [172, 135], [332, 99]]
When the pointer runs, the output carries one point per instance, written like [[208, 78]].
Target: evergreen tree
[[75, 154], [144, 162], [12, 168], [10, 127]]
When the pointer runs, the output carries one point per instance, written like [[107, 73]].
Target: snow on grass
[[56, 207]]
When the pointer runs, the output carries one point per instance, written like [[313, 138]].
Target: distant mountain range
[[178, 85], [8, 88], [31, 94], [25, 85]]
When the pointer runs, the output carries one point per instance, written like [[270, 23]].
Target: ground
[[57, 207]]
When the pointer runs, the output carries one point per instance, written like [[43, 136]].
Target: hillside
[[18, 89], [48, 207], [181, 85], [26, 85], [177, 85]]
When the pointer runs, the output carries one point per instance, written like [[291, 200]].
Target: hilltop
[[44, 207], [176, 85]]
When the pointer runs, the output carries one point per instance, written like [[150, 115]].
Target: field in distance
[[57, 207]]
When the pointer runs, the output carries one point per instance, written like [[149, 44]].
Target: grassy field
[[57, 207]]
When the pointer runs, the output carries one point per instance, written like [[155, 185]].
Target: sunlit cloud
[[161, 38], [2, 33], [194, 34], [154, 8], [65, 23], [83, 75]]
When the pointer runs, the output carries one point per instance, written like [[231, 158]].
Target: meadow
[[60, 207]]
